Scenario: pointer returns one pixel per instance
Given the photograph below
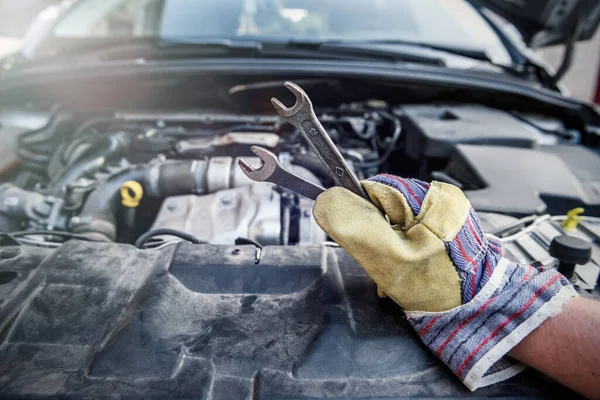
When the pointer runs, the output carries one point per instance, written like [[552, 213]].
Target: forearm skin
[[566, 347]]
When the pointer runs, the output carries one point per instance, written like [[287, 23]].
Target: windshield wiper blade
[[475, 54], [189, 48], [298, 49], [301, 49], [118, 49], [356, 50], [192, 47], [208, 42]]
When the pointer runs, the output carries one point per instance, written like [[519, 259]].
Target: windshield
[[444, 22]]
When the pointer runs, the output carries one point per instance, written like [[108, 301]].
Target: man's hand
[[406, 256], [423, 246]]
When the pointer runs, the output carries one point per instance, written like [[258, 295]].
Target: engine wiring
[[66, 235], [391, 146], [146, 237], [23, 238]]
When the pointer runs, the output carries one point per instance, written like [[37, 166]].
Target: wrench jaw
[[303, 117], [266, 170], [247, 169], [302, 100], [271, 171]]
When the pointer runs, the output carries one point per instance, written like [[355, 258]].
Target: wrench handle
[[295, 183], [318, 138]]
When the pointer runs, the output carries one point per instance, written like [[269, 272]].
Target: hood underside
[[545, 23]]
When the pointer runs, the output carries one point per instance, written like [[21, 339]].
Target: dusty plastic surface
[[204, 321], [434, 131], [552, 181]]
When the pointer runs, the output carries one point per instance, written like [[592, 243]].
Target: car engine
[[260, 302], [146, 178], [181, 172]]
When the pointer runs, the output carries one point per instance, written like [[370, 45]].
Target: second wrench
[[272, 171], [303, 117]]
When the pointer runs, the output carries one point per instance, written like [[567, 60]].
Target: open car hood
[[548, 22]]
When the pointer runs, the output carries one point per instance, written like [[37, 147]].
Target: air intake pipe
[[98, 218]]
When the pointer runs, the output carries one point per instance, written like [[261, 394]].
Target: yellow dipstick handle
[[573, 219], [131, 194]]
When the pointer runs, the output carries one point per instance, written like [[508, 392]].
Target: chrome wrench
[[303, 117], [272, 171]]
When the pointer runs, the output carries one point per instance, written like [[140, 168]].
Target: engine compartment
[[261, 305], [74, 174], [186, 165]]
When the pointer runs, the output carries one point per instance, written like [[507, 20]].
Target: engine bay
[[179, 169], [151, 178], [258, 300], [185, 173]]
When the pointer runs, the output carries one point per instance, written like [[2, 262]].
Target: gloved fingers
[[391, 202], [381, 293], [442, 208], [411, 266], [360, 228]]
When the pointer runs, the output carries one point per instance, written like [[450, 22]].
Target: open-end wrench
[[272, 171], [303, 117]]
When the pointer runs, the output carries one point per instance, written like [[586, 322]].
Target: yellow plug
[[573, 219], [131, 194]]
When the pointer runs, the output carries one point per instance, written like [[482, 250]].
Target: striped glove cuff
[[473, 339]]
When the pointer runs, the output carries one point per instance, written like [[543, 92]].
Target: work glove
[[423, 246]]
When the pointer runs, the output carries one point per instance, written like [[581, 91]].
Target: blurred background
[[582, 80], [585, 68], [15, 18]]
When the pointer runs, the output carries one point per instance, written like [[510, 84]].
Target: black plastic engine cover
[[553, 179], [435, 130], [204, 321]]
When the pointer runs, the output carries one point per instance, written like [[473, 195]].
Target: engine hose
[[41, 140], [33, 158], [69, 150], [98, 216], [64, 151], [108, 149]]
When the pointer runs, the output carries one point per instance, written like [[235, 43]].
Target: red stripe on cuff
[[506, 322], [470, 260], [499, 250], [462, 325], [473, 231], [529, 272], [462, 251], [473, 276], [429, 325], [413, 195], [487, 267]]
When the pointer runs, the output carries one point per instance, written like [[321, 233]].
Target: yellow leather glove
[[406, 256], [423, 245]]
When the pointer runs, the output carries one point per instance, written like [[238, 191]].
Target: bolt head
[[227, 200]]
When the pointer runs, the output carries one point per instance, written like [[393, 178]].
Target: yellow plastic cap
[[573, 219], [131, 194]]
